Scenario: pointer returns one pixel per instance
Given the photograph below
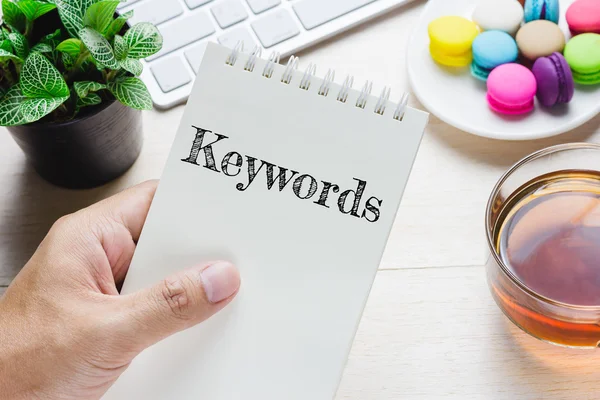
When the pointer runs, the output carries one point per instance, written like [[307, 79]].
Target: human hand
[[66, 333]]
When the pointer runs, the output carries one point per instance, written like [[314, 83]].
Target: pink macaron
[[511, 89], [584, 16]]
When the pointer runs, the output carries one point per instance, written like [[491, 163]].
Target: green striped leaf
[[132, 92], [13, 16], [133, 66], [121, 74], [35, 109], [33, 9], [19, 43], [90, 100], [100, 15], [39, 78], [84, 88], [52, 39], [116, 26], [10, 108], [5, 56], [71, 14], [143, 40], [6, 45], [120, 47], [42, 48], [67, 60], [70, 46], [99, 48]]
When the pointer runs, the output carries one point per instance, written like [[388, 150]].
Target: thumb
[[179, 302]]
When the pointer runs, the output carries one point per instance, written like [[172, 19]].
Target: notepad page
[[306, 264]]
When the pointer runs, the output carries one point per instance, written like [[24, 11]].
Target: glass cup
[[550, 319]]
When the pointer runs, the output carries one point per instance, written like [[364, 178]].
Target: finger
[[117, 223], [129, 207], [179, 302]]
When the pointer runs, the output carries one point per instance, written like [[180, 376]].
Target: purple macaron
[[555, 83]]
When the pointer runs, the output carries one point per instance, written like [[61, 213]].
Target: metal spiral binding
[[402, 104], [361, 102], [327, 81], [291, 66], [233, 56], [309, 73], [382, 101], [251, 63], [346, 86], [270, 67]]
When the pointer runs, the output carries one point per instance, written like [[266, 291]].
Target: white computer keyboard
[[275, 25]]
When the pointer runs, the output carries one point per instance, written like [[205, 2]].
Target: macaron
[[542, 10], [540, 39], [491, 49], [511, 89], [583, 55], [555, 83], [584, 16], [450, 40], [500, 15]]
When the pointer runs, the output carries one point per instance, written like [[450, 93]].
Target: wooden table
[[431, 329]]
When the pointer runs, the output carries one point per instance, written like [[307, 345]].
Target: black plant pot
[[86, 152]]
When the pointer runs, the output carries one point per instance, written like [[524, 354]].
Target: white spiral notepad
[[295, 179]]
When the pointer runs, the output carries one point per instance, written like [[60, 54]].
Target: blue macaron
[[542, 9], [491, 49]]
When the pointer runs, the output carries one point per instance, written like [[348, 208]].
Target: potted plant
[[70, 93]]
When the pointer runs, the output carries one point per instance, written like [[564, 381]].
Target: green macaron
[[583, 55]]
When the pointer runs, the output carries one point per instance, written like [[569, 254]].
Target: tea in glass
[[544, 272]]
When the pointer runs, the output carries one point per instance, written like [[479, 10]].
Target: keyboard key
[[259, 6], [229, 12], [194, 55], [275, 28], [170, 73], [313, 13], [233, 36], [156, 11], [196, 3], [184, 31], [126, 3]]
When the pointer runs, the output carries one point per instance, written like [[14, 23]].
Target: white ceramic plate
[[458, 99]]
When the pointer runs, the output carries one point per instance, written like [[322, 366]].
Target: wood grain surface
[[430, 329]]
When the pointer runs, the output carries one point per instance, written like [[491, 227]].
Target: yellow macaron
[[450, 40]]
